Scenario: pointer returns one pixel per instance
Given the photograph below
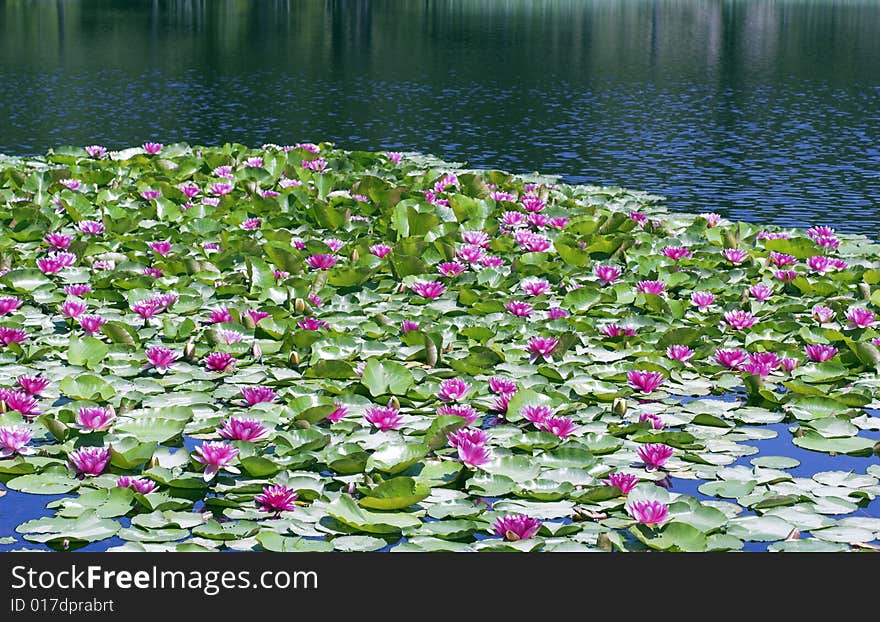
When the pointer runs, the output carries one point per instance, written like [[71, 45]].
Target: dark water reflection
[[762, 110]]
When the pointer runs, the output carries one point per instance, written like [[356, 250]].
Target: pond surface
[[763, 110]]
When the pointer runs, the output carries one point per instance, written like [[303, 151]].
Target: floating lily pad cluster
[[305, 349]]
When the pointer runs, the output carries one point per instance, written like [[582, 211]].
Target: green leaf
[[386, 377], [394, 494]]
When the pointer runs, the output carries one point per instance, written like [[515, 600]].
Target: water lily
[[732, 359], [78, 289], [653, 419], [311, 323], [139, 484], [624, 481], [607, 274], [513, 527], [651, 287], [473, 454], [243, 429], [256, 315], [12, 335], [160, 247], [321, 261], [535, 287], [14, 440], [760, 292], [654, 455], [429, 289], [215, 456], [536, 413], [92, 323], [219, 361], [471, 253], [860, 317], [562, 427], [703, 300], [735, 255], [677, 253], [384, 418], [502, 385], [408, 326], [556, 313], [33, 385], [58, 241], [518, 308], [96, 151], [89, 461], [152, 148], [470, 435], [451, 268], [542, 347], [380, 250], [644, 381], [679, 352], [786, 276], [453, 389], [650, 513], [613, 331], [339, 411], [258, 395], [276, 499], [95, 419], [73, 308], [739, 319], [465, 411], [822, 314], [819, 353]]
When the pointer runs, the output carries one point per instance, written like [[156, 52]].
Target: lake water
[[761, 110]]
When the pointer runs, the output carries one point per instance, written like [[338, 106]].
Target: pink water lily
[[679, 352], [256, 316], [219, 361], [55, 262], [220, 315], [613, 331], [451, 268], [513, 527], [14, 440], [96, 151], [739, 319], [654, 420], [380, 250], [318, 165], [189, 190], [58, 241], [712, 219], [789, 364], [429, 289], [654, 455], [8, 304], [471, 253], [258, 395], [556, 313], [321, 261], [20, 401], [465, 411], [408, 326], [160, 247], [786, 276], [276, 499], [559, 222], [819, 353], [470, 435], [452, 389], [535, 287], [512, 220], [760, 292], [860, 317], [92, 323], [311, 323], [384, 417], [732, 359], [161, 358], [518, 308], [152, 148], [651, 287], [782, 260], [536, 413], [473, 454], [95, 418], [480, 238], [394, 156], [562, 427], [532, 242], [33, 385], [735, 255], [12, 335], [91, 227], [624, 481], [73, 308], [243, 429], [215, 455], [147, 309], [607, 274], [149, 195], [644, 381], [677, 253], [542, 347], [502, 385], [827, 241], [650, 513], [703, 300], [139, 484], [497, 195], [77, 289], [339, 411], [89, 461]]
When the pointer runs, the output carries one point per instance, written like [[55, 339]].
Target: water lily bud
[[258, 351], [154, 462], [302, 424], [604, 542], [294, 359], [2, 407], [299, 305], [189, 349], [401, 288], [618, 406], [65, 544], [248, 321], [355, 255], [865, 290], [394, 403], [351, 488]]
